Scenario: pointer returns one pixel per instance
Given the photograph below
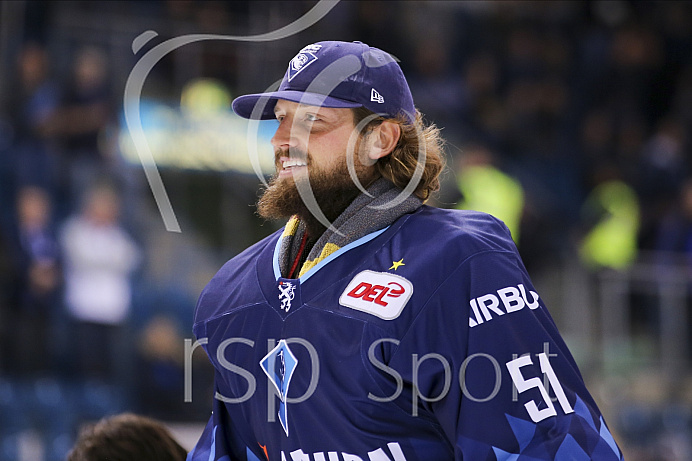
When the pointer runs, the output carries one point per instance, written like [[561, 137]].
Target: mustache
[[291, 152]]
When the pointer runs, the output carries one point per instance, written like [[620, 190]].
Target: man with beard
[[374, 327]]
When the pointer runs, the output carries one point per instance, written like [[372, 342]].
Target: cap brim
[[261, 106]]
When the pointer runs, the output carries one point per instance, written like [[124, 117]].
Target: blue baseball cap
[[339, 75]]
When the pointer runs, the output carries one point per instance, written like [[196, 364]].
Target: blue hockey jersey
[[422, 341]]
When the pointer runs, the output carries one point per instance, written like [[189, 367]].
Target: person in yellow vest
[[612, 241], [486, 188]]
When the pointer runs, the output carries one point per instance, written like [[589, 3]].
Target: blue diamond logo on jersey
[[279, 365]]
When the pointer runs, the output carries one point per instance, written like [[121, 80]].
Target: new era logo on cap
[[376, 97]]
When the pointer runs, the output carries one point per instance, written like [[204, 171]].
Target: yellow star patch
[[396, 264]]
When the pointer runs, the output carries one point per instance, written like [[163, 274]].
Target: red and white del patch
[[378, 293]]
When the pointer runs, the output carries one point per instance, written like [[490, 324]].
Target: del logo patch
[[378, 293]]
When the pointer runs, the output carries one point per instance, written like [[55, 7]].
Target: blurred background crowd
[[567, 119]]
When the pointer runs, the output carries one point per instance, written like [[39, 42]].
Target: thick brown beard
[[333, 190]]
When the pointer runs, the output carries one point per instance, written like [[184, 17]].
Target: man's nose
[[284, 136]]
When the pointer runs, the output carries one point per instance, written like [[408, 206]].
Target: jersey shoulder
[[237, 276], [462, 232]]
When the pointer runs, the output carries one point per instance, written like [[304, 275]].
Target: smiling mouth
[[288, 164]]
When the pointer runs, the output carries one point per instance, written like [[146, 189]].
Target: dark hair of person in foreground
[[126, 437]]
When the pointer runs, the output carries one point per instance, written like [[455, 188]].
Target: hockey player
[[374, 327]]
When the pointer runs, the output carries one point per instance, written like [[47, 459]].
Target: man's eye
[[311, 117]]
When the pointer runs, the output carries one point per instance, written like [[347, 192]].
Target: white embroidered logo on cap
[[376, 97], [303, 59]]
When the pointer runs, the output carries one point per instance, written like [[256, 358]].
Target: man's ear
[[384, 139]]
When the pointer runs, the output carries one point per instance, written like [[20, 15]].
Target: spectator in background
[[439, 90], [127, 437], [161, 373], [611, 215], [486, 188], [100, 258], [633, 71], [596, 138], [662, 166], [675, 232], [484, 118], [683, 98], [80, 121], [673, 240], [32, 105], [35, 300]]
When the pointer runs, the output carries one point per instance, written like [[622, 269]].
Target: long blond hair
[[417, 154]]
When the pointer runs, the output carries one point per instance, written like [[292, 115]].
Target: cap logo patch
[[381, 294], [376, 97], [303, 59]]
